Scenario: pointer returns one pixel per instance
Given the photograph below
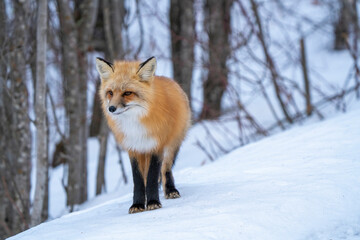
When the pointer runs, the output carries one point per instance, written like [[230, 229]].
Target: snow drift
[[300, 184]]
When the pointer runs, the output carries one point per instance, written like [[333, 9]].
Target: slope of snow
[[328, 71], [300, 184]]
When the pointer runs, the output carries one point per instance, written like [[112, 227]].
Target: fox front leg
[[139, 189], [152, 187]]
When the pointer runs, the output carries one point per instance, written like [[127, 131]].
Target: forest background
[[261, 66]]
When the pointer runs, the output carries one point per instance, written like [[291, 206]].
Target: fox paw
[[153, 204], [136, 207], [171, 194]]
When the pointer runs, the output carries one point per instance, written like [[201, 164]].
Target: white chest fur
[[136, 137]]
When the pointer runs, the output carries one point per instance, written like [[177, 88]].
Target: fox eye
[[110, 92], [128, 93]]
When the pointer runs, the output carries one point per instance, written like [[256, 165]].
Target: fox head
[[126, 87]]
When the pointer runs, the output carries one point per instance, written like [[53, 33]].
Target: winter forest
[[250, 68]]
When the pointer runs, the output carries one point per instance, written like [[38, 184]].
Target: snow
[[329, 72], [300, 184]]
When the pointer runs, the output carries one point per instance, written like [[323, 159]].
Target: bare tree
[[108, 32], [347, 18], [217, 23], [275, 76], [76, 32], [182, 26], [15, 136], [107, 38], [40, 109], [4, 201], [118, 13], [70, 73], [85, 16]]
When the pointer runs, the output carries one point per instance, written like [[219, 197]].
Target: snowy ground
[[300, 184], [329, 71]]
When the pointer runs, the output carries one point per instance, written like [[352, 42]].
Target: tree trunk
[[86, 12], [15, 135], [217, 23], [182, 26], [4, 201], [117, 12], [77, 29], [70, 70], [108, 39], [40, 110], [45, 210], [110, 19], [100, 176], [97, 114], [20, 120], [347, 18], [308, 105]]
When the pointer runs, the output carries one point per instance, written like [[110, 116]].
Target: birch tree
[[40, 109]]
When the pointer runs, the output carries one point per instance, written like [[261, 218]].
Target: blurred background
[[251, 68]]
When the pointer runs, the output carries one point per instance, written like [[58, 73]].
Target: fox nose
[[112, 109]]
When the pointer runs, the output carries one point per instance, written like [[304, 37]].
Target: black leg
[[170, 190], [169, 184], [152, 189], [139, 189]]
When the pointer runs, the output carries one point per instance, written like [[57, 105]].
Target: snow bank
[[300, 184]]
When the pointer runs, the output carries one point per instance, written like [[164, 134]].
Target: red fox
[[149, 116]]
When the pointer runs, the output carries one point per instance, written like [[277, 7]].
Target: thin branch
[[54, 113], [354, 56], [121, 164], [212, 138], [203, 148], [269, 60]]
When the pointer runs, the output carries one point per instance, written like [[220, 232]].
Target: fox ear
[[147, 69], [104, 68]]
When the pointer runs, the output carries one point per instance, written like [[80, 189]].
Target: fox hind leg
[[167, 177], [170, 191]]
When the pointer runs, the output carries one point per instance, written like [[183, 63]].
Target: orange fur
[[165, 113]]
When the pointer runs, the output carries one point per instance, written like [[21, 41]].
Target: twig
[[354, 56], [213, 138], [198, 143], [54, 113], [257, 126], [121, 164], [269, 61]]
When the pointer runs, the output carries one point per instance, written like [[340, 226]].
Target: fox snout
[[116, 110]]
